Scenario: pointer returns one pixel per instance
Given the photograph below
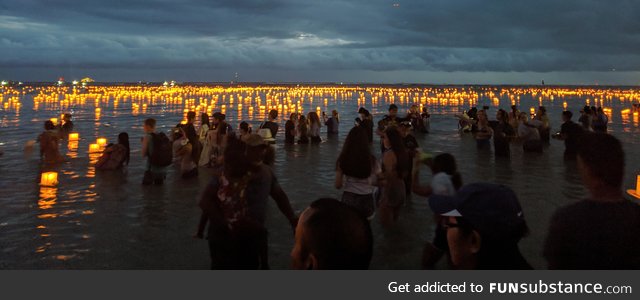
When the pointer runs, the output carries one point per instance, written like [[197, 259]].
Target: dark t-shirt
[[289, 127], [332, 125], [368, 127], [271, 126], [572, 132], [594, 235]]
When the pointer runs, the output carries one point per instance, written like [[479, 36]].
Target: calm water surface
[[108, 220]]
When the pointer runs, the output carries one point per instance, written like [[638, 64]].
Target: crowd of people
[[476, 226], [531, 131]]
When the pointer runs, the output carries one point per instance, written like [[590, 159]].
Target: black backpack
[[162, 154]]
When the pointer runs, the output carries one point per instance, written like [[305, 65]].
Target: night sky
[[418, 41]]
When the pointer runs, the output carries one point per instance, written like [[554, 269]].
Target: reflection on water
[[106, 220]]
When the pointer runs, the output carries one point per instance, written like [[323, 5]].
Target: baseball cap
[[491, 209], [255, 140]]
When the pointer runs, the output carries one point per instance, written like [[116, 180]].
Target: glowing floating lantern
[[635, 193], [74, 137], [49, 179], [102, 142], [94, 148], [72, 146], [54, 121]]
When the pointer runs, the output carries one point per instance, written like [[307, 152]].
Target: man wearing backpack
[[157, 148]]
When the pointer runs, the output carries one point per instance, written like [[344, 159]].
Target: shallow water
[[108, 220]]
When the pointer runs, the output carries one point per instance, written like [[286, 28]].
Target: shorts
[[362, 203]]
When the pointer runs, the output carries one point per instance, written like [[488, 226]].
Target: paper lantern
[[102, 142], [532, 111], [94, 148], [74, 137], [635, 193], [72, 146], [54, 121], [49, 179]]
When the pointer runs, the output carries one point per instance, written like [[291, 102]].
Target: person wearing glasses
[[484, 224]]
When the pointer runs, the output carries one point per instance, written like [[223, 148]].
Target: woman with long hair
[[502, 133], [49, 140], [394, 168], [484, 132], [234, 204], [356, 171], [115, 156], [204, 127], [314, 127], [303, 130]]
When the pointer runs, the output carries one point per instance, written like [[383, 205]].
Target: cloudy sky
[[417, 41]]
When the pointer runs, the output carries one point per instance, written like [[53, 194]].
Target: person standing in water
[[332, 123], [356, 172], [303, 130], [66, 125], [601, 232], [570, 133], [271, 124], [545, 127], [446, 181], [502, 133], [365, 120], [192, 135], [115, 156], [234, 204], [394, 167], [314, 127], [49, 144], [484, 132], [155, 145], [290, 129]]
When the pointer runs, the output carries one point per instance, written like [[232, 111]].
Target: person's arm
[[418, 189], [209, 206], [281, 199], [201, 226], [339, 178], [145, 145], [558, 243]]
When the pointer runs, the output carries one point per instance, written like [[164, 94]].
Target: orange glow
[[49, 179], [102, 142], [74, 137], [635, 193], [94, 148]]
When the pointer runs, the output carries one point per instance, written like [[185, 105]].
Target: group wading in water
[[476, 225]]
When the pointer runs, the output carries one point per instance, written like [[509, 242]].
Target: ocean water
[[108, 220]]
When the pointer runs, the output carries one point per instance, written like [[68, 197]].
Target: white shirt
[[441, 184], [362, 186]]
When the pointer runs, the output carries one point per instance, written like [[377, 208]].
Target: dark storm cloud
[[367, 35]]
